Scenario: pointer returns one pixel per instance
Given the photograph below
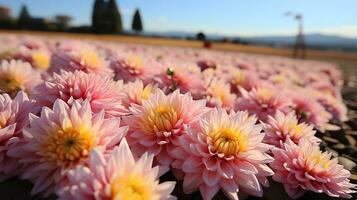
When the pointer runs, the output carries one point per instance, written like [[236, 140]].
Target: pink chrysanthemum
[[156, 125], [281, 126], [333, 105], [225, 152], [136, 92], [59, 140], [134, 67], [182, 78], [102, 92], [84, 58], [262, 102], [13, 117], [38, 58], [219, 94], [118, 176], [17, 75], [309, 110], [304, 167], [242, 78]]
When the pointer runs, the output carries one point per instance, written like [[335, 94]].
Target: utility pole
[[299, 50]]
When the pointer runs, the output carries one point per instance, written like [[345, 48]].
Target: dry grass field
[[347, 60]]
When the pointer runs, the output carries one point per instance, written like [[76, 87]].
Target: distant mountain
[[312, 40], [319, 41]]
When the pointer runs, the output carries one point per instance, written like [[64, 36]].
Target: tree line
[[106, 19]]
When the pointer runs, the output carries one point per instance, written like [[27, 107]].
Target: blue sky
[[229, 17]]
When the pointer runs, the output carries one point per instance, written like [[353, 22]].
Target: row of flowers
[[93, 120]]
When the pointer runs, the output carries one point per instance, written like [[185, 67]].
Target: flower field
[[100, 120]]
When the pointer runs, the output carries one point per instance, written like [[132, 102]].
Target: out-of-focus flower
[[156, 125], [281, 126], [118, 176], [309, 110], [17, 75], [262, 101], [225, 152], [13, 118], [61, 139], [102, 92], [218, 93], [40, 59], [332, 104], [134, 67], [84, 58], [183, 79], [136, 92], [304, 167]]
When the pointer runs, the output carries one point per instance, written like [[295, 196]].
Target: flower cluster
[[93, 120]]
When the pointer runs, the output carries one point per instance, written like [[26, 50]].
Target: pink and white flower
[[13, 118], [262, 102], [304, 167], [84, 58], [60, 139], [17, 75], [225, 152], [101, 92], [116, 176], [136, 93], [310, 111], [281, 127], [156, 125]]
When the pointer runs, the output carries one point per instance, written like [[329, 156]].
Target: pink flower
[[219, 94], [333, 105], [132, 67], [38, 58], [309, 110], [181, 78], [13, 117], [101, 92], [136, 93], [17, 75], [84, 58], [281, 126], [241, 78], [304, 167], [225, 152], [61, 139], [262, 101], [156, 125], [116, 176]]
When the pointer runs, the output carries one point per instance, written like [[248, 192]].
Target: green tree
[[24, 17], [97, 14], [63, 22], [201, 36], [137, 25], [113, 18]]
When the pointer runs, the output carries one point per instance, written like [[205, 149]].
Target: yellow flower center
[[238, 78], [134, 62], [228, 141], [318, 158], [220, 93], [68, 146], [147, 91], [160, 119], [265, 94], [90, 59], [10, 84], [130, 187], [40, 60]]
